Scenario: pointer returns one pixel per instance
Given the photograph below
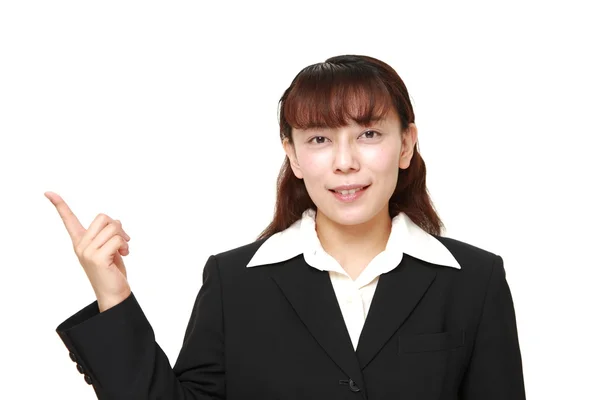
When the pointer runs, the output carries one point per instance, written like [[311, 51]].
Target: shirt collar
[[406, 237]]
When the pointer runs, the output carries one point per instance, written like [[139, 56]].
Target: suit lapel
[[312, 297], [311, 294], [397, 294]]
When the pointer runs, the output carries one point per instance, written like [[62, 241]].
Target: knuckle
[[114, 229], [104, 218]]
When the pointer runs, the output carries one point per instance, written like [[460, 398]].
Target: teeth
[[345, 192]]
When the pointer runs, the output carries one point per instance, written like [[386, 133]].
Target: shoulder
[[465, 252], [475, 262], [235, 259]]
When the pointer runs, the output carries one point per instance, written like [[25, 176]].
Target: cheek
[[315, 171], [313, 178], [383, 160], [312, 165]]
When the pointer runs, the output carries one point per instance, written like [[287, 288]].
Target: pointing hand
[[99, 249]]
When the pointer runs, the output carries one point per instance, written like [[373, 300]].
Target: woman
[[349, 293]]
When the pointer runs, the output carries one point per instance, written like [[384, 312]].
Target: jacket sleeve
[[495, 370], [117, 354]]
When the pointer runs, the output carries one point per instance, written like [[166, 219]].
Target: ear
[[290, 151], [409, 139]]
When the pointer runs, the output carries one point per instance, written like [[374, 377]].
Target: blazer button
[[73, 357], [80, 368], [88, 379], [353, 386]]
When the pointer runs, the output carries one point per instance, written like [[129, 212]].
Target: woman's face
[[368, 156]]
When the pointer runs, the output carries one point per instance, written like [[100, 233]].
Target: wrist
[[107, 302]]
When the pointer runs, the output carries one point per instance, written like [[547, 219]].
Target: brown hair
[[330, 93]]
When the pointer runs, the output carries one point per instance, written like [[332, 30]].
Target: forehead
[[389, 120]]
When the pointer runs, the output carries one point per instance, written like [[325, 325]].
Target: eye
[[316, 137], [373, 132]]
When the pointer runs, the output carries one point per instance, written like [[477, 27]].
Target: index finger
[[74, 227]]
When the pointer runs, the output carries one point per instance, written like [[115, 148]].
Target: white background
[[165, 116]]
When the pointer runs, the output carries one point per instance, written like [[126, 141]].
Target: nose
[[346, 157]]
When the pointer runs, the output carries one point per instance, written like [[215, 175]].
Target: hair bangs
[[330, 96]]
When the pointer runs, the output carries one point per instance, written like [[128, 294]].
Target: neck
[[354, 246]]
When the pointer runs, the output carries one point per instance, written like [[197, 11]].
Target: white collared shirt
[[354, 296]]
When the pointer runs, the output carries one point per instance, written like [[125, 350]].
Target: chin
[[350, 216]]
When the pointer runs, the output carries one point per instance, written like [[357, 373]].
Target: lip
[[349, 187], [349, 198]]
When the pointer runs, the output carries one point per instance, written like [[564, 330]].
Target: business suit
[[276, 332]]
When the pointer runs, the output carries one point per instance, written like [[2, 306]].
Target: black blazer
[[277, 332]]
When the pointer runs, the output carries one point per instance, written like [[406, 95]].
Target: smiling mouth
[[346, 192]]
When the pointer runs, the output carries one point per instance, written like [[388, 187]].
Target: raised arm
[[111, 340]]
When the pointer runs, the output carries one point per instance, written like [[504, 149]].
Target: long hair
[[327, 95]]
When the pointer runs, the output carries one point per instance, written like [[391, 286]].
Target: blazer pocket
[[431, 341]]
